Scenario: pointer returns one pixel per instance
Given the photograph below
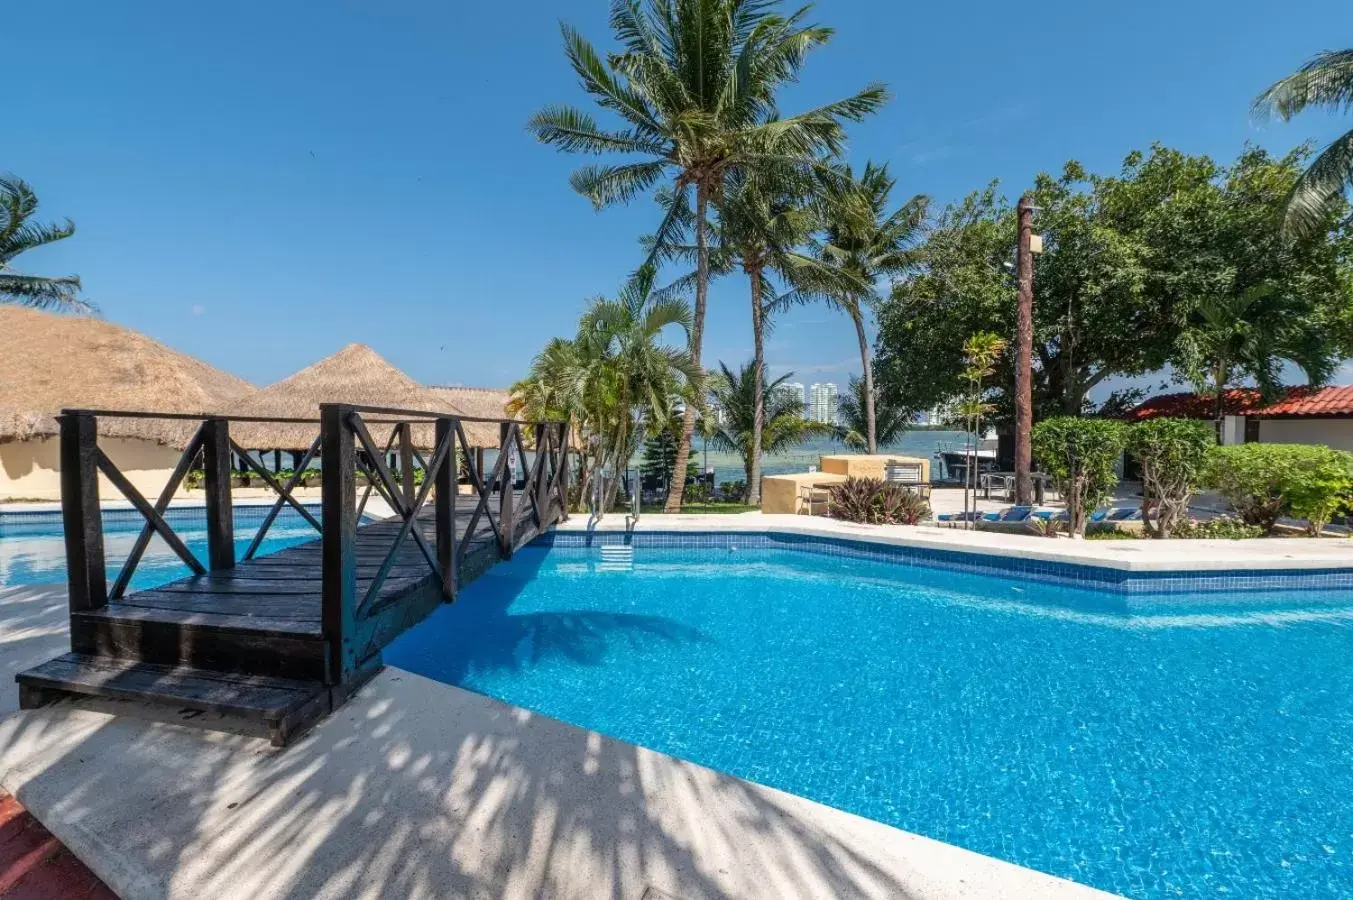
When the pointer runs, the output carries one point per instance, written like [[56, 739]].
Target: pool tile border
[[1103, 578]]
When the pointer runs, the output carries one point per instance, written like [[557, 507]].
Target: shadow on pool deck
[[419, 789]]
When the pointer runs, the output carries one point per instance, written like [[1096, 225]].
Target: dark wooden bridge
[[270, 643]]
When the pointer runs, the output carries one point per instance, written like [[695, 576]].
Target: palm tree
[[1325, 81], [616, 380], [18, 204], [1248, 335], [889, 421], [694, 86], [862, 243], [763, 215], [784, 426]]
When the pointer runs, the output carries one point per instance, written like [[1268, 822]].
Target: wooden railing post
[[406, 463], [86, 578], [506, 530], [445, 509], [563, 471], [339, 505], [220, 512], [541, 434]]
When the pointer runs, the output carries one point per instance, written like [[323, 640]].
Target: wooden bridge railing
[[354, 623]]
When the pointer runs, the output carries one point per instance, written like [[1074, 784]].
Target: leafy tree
[[694, 85], [18, 233], [1173, 454], [1082, 455], [862, 243], [659, 457], [615, 379], [785, 427], [1130, 262], [889, 422], [1325, 81]]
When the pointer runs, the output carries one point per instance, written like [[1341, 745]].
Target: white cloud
[[198, 309]]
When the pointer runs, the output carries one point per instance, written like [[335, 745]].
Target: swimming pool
[[33, 551], [1150, 743]]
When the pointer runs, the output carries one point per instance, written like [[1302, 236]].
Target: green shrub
[[1082, 455], [1265, 481], [1220, 528], [873, 501], [1112, 533], [1173, 455]]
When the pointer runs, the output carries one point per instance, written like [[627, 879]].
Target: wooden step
[[280, 705], [274, 647]]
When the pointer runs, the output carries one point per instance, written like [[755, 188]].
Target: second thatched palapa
[[359, 376]]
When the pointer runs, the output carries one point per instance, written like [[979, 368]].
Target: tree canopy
[[1132, 265]]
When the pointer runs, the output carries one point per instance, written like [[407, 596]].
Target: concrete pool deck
[[1265, 554], [419, 789]]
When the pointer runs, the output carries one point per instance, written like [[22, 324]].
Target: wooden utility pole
[[1024, 348]]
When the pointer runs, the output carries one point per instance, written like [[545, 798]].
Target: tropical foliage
[[19, 234], [694, 87], [737, 393], [1082, 455], [890, 423], [1173, 455], [1326, 81], [873, 501], [615, 381], [1135, 269]]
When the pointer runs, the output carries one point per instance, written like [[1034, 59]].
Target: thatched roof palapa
[[356, 375], [53, 362]]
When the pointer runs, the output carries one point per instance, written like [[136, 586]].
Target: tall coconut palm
[[18, 205], [862, 243], [763, 215], [694, 85], [889, 421], [740, 394], [1325, 81]]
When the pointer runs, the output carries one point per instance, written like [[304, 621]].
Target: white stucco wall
[[1337, 433], [31, 469]]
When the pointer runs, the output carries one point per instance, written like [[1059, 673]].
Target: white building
[[822, 403], [797, 392]]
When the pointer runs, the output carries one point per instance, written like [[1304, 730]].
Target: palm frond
[[1319, 190], [574, 131], [1325, 80], [58, 294], [608, 185]]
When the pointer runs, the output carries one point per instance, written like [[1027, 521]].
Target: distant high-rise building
[[797, 392], [822, 403]]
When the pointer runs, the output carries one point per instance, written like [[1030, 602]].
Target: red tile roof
[[1238, 402], [1335, 400]]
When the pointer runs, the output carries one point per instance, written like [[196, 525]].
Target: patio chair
[[907, 474], [814, 499]]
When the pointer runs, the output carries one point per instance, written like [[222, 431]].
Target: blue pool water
[[33, 551], [1156, 746]]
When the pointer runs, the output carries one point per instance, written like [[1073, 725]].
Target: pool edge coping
[[1090, 554]]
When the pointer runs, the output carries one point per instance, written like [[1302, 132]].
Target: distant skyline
[[261, 184]]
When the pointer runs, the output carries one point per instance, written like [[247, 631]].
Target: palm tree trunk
[[678, 490], [759, 403], [858, 318]]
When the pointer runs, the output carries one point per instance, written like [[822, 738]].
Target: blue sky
[[259, 184]]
